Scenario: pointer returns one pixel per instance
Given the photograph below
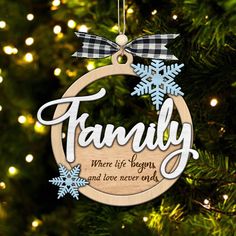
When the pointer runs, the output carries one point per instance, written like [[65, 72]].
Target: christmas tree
[[36, 43]]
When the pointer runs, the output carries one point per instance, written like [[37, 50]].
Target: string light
[[222, 131], [2, 24], [29, 158], [206, 17], [122, 226], [0, 108], [213, 102], [71, 24], [60, 35], [29, 41], [12, 170], [115, 28], [56, 3], [2, 185], [63, 135], [14, 50], [30, 17], [145, 219], [57, 29], [28, 57], [83, 28], [39, 128], [36, 223], [90, 66], [8, 50], [71, 73], [225, 197], [57, 71], [130, 11], [174, 17], [22, 119], [30, 119], [154, 12], [206, 202], [26, 119]]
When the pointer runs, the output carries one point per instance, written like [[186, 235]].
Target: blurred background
[[36, 43]]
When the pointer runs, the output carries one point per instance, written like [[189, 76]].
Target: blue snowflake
[[157, 80], [69, 182]]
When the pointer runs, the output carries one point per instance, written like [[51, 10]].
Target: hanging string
[[124, 22]]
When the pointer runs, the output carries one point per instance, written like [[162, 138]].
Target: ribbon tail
[[152, 46], [94, 46]]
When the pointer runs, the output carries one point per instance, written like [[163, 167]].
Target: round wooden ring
[[56, 133]]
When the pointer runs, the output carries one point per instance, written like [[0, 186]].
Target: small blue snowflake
[[69, 181], [157, 80]]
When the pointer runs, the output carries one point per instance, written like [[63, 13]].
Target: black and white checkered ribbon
[[149, 46]]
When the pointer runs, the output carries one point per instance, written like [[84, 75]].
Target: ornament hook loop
[[121, 52]]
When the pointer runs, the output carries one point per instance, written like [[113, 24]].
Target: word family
[[151, 137]]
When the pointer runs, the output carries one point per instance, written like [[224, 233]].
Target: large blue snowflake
[[157, 80], [69, 181]]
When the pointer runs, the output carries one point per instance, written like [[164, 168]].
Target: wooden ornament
[[121, 176]]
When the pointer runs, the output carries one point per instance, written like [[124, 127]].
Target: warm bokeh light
[[71, 73], [14, 50], [57, 71], [1, 79], [213, 102], [145, 218], [225, 196], [71, 24], [29, 158], [83, 28], [57, 29], [60, 36], [206, 202], [22, 119], [130, 11], [29, 41], [39, 128], [0, 108], [2, 24], [2, 185], [56, 3], [8, 49], [174, 17], [63, 135], [36, 223], [28, 57], [154, 12], [115, 29], [30, 17], [90, 66], [12, 170]]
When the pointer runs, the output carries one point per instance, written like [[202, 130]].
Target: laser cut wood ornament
[[124, 167]]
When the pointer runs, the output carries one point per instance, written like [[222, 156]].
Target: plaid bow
[[149, 46]]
